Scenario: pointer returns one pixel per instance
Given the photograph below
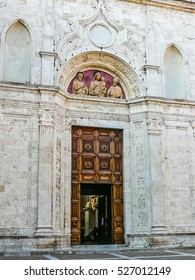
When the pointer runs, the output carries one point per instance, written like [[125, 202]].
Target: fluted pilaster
[[46, 159], [155, 146]]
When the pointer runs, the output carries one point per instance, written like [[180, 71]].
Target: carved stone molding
[[192, 124], [179, 5], [151, 68], [48, 54], [154, 126]]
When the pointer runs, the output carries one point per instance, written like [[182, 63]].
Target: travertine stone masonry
[[36, 118]]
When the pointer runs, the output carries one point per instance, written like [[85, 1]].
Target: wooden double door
[[97, 162]]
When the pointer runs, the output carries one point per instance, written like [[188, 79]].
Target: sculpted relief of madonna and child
[[96, 85]]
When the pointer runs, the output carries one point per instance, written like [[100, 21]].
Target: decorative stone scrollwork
[[2, 3], [58, 198], [142, 216]]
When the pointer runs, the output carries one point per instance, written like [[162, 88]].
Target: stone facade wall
[[36, 119]]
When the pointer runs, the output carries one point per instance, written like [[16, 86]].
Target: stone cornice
[[55, 90], [180, 5], [162, 100], [27, 87]]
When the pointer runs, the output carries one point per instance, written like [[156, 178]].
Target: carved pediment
[[103, 14]]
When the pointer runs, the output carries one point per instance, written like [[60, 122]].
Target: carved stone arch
[[132, 55], [178, 47], [3, 40], [22, 21], [174, 71], [106, 62], [102, 14]]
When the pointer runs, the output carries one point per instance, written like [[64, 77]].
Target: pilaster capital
[[46, 118], [154, 126]]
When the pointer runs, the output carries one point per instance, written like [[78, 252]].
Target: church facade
[[97, 124]]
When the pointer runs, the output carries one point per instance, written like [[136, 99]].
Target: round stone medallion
[[189, 31], [101, 35]]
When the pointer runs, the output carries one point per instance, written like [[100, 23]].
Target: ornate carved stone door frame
[[97, 158]]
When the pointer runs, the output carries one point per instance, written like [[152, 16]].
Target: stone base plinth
[[27, 245], [166, 240]]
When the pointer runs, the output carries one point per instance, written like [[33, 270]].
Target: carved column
[[46, 159], [155, 148]]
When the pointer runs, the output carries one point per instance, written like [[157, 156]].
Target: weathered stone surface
[[36, 118]]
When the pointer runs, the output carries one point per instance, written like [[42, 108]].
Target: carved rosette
[[154, 126], [140, 166]]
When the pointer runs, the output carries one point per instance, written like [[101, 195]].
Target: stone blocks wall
[[159, 176]]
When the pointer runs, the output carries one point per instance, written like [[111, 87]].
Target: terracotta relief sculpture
[[115, 91], [96, 85], [79, 86]]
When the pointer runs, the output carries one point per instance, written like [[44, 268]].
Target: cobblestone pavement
[[107, 254]]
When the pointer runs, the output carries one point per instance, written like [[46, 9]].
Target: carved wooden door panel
[[97, 158]]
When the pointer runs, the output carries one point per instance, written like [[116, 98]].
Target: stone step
[[98, 248]]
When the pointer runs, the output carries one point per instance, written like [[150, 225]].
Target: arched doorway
[[97, 175]]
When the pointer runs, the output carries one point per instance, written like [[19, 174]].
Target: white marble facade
[[148, 46]]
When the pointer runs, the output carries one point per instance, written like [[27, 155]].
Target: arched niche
[[108, 64], [17, 55], [174, 68]]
